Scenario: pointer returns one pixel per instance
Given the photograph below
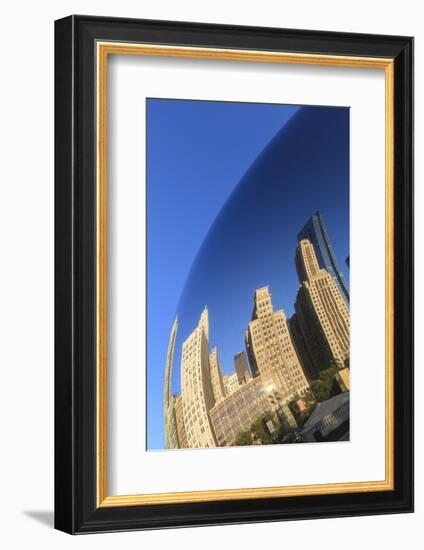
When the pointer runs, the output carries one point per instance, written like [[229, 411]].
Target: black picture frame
[[76, 510]]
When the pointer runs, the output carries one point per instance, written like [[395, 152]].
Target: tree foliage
[[321, 387], [259, 431], [243, 438], [310, 404]]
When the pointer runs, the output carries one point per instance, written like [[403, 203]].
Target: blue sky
[[229, 185]]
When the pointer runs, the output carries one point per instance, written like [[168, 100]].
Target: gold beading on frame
[[104, 49]]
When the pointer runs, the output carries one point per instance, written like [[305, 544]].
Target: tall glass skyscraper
[[315, 231]]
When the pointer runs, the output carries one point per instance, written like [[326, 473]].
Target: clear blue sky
[[229, 185]]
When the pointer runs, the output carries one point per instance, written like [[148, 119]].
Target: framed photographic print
[[234, 270]]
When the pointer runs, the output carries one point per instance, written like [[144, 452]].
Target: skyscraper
[[171, 437], [249, 352], [179, 420], [311, 371], [196, 384], [321, 311], [242, 367], [216, 376], [272, 349], [315, 231], [231, 384]]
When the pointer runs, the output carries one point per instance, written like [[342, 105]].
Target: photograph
[[248, 260]]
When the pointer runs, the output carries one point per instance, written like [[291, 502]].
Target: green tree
[[243, 438], [259, 431], [321, 387], [310, 404]]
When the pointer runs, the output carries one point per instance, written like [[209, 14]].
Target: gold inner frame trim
[[104, 49]]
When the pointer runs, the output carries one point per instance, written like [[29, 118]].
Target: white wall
[[26, 274]]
